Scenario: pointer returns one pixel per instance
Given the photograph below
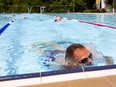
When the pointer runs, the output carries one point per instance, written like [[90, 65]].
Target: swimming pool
[[27, 44]]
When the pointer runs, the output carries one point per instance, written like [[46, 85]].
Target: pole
[[113, 7], [73, 7]]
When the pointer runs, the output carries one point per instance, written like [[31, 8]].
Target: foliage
[[51, 5]]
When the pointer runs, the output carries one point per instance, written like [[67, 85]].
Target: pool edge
[[55, 77]]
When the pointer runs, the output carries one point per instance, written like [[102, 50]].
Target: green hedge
[[93, 11]]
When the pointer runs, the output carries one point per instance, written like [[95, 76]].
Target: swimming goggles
[[86, 59]]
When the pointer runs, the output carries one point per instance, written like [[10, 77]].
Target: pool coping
[[57, 72], [57, 76]]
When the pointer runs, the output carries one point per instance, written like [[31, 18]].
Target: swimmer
[[58, 20], [79, 55]]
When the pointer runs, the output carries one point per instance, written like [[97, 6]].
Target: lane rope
[[92, 23], [6, 26], [101, 25]]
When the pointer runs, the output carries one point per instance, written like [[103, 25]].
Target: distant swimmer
[[58, 20]]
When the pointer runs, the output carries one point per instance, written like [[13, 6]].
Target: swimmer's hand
[[109, 60]]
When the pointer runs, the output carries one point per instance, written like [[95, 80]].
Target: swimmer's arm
[[109, 60]]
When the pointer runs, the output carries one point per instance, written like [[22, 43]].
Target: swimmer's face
[[82, 55]]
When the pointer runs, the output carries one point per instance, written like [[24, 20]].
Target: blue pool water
[[28, 45]]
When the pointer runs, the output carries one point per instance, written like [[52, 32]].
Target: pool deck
[[106, 81], [93, 13]]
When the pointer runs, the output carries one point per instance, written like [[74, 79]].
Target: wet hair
[[58, 19], [69, 55]]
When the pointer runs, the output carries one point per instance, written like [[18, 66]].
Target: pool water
[[29, 45]]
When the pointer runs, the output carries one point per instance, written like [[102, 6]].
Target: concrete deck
[[106, 81]]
